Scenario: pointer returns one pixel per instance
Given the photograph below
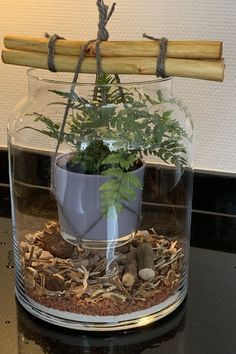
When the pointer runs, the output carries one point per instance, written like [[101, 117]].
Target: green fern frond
[[121, 187], [133, 120]]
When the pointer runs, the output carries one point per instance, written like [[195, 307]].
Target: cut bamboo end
[[197, 69], [176, 49]]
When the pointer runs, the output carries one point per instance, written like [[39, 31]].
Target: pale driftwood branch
[[197, 69], [131, 270], [145, 261]]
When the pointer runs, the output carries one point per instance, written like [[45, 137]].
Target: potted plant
[[98, 185]]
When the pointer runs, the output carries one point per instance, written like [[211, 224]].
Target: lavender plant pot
[[79, 210]]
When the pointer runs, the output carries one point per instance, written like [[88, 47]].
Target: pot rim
[[56, 165]]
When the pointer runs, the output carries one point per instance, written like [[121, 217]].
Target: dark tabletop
[[204, 324]]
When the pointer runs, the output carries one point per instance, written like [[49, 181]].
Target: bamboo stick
[[175, 49], [198, 69]]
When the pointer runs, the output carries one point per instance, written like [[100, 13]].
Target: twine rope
[[104, 17], [102, 35], [160, 66]]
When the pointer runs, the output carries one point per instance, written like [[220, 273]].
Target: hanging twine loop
[[102, 35], [163, 43], [104, 16]]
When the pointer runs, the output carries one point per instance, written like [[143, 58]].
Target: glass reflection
[[35, 336]]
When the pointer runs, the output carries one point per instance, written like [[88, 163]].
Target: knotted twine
[[160, 66], [51, 50]]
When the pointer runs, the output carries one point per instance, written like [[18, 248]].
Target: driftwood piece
[[131, 270], [145, 261]]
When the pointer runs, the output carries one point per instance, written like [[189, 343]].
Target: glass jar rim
[[31, 73]]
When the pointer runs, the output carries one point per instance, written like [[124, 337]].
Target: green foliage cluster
[[118, 134], [91, 159]]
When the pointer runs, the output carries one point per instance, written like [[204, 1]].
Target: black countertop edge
[[213, 191]]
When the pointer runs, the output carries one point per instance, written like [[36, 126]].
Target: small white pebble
[[146, 274]]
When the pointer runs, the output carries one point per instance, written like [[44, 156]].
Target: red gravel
[[103, 307]]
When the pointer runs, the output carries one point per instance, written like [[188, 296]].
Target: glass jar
[[101, 187]]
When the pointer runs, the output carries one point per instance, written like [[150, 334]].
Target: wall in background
[[213, 105]]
